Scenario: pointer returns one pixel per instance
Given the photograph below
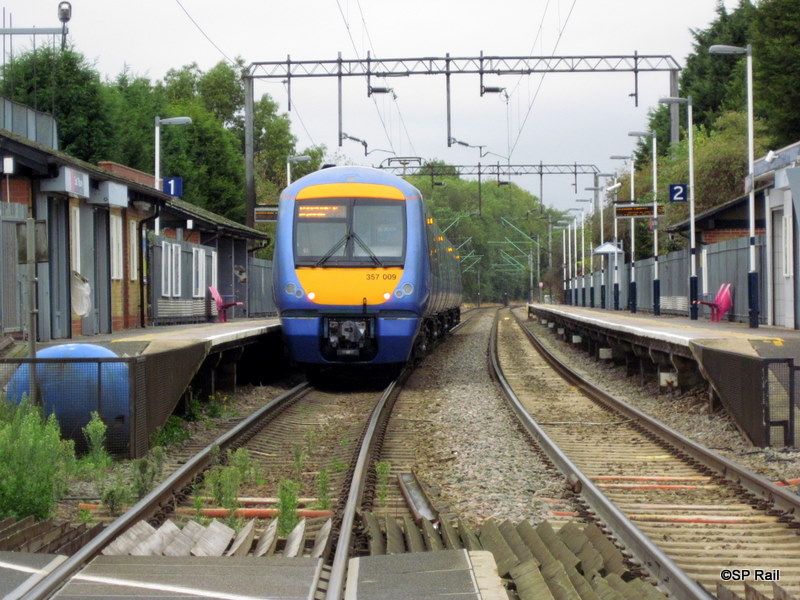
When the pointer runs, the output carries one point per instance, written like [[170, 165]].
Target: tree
[[65, 85], [776, 58], [222, 92]]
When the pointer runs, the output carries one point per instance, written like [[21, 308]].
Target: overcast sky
[[575, 117]]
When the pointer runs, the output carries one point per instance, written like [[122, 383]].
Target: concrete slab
[[452, 574], [17, 568], [123, 577]]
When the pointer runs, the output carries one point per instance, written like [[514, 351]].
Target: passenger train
[[362, 274]]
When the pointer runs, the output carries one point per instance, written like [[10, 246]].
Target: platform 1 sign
[[266, 214], [173, 186], [638, 210], [678, 192]]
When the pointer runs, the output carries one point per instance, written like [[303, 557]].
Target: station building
[[120, 253], [777, 208]]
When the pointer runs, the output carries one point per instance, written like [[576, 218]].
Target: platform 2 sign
[[266, 214], [638, 210], [678, 192]]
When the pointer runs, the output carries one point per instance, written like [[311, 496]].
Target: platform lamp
[[159, 122], [293, 160], [656, 282], [632, 285], [693, 308], [752, 275]]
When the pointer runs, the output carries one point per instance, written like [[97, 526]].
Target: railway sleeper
[[536, 562]]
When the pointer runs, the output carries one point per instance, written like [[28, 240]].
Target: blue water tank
[[72, 391]]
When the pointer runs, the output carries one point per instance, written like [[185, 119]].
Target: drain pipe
[[142, 256]]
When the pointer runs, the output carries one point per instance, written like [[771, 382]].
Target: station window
[[116, 246], [75, 238], [166, 269], [198, 272], [176, 270], [214, 269], [133, 250]]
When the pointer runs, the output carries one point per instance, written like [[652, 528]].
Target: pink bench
[[222, 306], [722, 303]]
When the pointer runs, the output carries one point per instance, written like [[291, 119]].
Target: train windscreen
[[350, 232]]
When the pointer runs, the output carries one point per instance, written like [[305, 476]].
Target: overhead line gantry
[[447, 65]]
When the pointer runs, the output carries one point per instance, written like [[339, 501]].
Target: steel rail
[[653, 559], [769, 493], [152, 502], [355, 495]]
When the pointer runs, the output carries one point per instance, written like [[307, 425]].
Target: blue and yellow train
[[362, 274]]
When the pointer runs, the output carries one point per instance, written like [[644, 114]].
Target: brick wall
[[119, 170], [20, 188], [712, 236]]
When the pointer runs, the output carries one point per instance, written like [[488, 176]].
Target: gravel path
[[686, 413], [470, 451]]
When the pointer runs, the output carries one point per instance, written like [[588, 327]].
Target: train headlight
[[311, 295], [398, 293], [298, 293], [387, 295], [407, 289], [290, 289]]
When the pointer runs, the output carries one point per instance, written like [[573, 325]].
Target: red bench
[[222, 306], [722, 303]]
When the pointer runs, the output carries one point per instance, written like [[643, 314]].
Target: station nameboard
[[266, 214], [638, 210]]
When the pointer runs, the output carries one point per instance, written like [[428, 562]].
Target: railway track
[[685, 512], [339, 431]]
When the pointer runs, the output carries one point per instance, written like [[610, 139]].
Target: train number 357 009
[[384, 276]]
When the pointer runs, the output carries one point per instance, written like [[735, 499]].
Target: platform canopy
[[607, 248]]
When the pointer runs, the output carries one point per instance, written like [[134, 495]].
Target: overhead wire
[[355, 49], [302, 123], [394, 97], [200, 29], [541, 81]]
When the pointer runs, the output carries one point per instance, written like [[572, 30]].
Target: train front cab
[[355, 291]]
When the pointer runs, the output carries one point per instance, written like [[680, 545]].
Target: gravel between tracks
[[471, 452], [686, 413]]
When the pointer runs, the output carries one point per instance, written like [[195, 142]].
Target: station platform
[[243, 578], [24, 568], [138, 387], [451, 574], [750, 371]]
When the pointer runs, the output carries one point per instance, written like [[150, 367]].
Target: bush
[[288, 500], [95, 434], [35, 462], [170, 433]]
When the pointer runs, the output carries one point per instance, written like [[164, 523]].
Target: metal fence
[[133, 396], [723, 262], [259, 277], [32, 124]]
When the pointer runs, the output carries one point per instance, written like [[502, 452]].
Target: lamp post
[[632, 285], [159, 122], [579, 274], [752, 275], [601, 208], [656, 282], [291, 160], [586, 279], [693, 307], [569, 263]]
